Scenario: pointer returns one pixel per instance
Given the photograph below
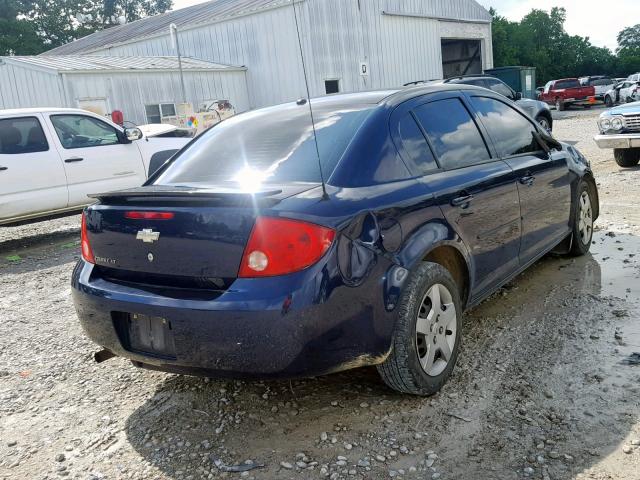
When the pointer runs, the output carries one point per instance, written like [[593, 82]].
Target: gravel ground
[[543, 388]]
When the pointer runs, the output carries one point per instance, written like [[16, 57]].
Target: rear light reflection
[[279, 246], [85, 246], [149, 215]]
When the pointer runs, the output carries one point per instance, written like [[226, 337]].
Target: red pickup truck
[[566, 92]]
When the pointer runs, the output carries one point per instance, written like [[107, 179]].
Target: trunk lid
[[205, 238]]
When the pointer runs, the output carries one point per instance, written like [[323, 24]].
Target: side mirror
[[133, 134], [547, 142], [518, 95]]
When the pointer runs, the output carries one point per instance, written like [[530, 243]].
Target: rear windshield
[[601, 82], [566, 84], [270, 145]]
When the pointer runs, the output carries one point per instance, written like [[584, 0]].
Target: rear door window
[[22, 135], [414, 147], [511, 132], [453, 133]]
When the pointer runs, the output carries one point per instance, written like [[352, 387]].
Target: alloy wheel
[[585, 218], [436, 330]]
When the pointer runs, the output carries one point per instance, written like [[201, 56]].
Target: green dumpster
[[521, 79]]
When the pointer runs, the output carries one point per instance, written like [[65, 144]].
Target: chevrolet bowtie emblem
[[147, 235]]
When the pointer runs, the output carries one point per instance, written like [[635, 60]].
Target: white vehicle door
[[625, 91], [97, 157], [32, 179]]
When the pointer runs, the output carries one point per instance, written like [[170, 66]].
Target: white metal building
[[349, 45], [143, 88]]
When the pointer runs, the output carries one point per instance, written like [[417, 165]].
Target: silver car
[[538, 110], [620, 129]]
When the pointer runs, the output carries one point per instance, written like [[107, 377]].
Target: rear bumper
[[304, 324], [624, 140]]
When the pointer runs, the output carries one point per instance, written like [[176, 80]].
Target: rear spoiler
[[184, 193]]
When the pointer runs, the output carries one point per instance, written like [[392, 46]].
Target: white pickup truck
[[51, 159]]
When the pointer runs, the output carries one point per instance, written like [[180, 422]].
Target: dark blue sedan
[[233, 260]]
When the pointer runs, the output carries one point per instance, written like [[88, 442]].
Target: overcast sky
[[597, 19]]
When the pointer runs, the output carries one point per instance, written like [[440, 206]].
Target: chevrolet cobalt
[[275, 245]]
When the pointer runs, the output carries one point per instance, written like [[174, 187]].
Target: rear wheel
[[608, 101], [583, 221], [627, 157], [427, 333]]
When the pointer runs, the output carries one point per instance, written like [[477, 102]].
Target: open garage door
[[461, 57]]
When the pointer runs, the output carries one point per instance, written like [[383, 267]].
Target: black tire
[[402, 369], [608, 101], [544, 122], [560, 106], [581, 243], [627, 157]]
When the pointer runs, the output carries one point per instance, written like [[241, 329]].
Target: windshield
[[270, 145], [601, 82]]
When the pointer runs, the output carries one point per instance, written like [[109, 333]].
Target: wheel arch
[[439, 243], [452, 259]]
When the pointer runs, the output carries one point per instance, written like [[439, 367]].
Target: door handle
[[527, 180], [462, 201], [73, 159], [3, 168]]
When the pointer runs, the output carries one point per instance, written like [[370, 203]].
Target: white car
[[52, 159], [623, 92]]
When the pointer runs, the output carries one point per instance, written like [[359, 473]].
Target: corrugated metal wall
[[130, 92], [24, 87], [337, 35]]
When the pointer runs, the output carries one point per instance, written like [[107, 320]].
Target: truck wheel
[[559, 105], [627, 157], [608, 101], [426, 336]]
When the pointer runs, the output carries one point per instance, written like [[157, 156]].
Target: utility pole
[[173, 31]]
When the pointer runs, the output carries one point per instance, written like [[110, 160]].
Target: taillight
[[149, 215], [85, 246], [278, 246]]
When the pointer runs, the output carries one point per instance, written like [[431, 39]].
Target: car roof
[[564, 79], [390, 97], [32, 111]]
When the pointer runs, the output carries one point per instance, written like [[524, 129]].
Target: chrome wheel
[[585, 218], [436, 330]]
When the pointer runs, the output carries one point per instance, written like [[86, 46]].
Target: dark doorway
[[331, 86], [461, 57]]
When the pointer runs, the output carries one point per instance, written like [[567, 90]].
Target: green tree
[[17, 35], [56, 22], [629, 38]]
